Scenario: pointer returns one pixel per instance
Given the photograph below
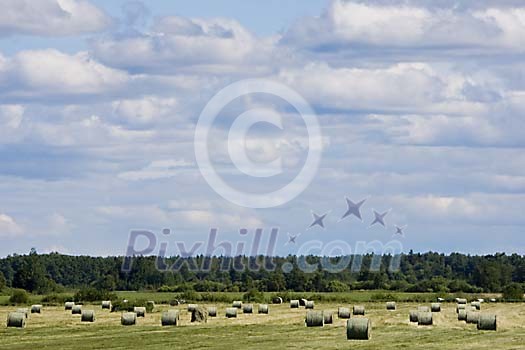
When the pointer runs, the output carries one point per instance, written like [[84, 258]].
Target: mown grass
[[283, 328]]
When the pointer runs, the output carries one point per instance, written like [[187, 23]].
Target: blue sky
[[420, 105]]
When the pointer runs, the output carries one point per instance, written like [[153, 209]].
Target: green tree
[[513, 291]]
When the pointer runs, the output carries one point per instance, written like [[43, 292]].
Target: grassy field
[[282, 328]]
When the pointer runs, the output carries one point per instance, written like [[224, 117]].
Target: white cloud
[[158, 169], [51, 17], [9, 227], [145, 110]]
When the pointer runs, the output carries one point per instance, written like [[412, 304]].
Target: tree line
[[418, 272]]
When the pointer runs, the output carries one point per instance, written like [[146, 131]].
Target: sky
[[415, 107]]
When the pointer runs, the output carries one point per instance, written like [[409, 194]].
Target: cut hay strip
[[460, 307], [247, 309], [424, 318], [435, 307], [76, 310], [472, 317], [140, 311], [277, 300], [358, 310], [309, 305], [263, 309], [462, 315], [24, 311], [487, 322], [302, 302], [314, 319], [476, 305], [106, 304], [461, 300], [192, 307], [212, 311], [36, 309], [88, 316], [128, 319], [328, 317], [16, 319], [391, 305], [237, 304], [294, 304], [343, 312], [69, 305], [170, 318], [358, 329], [413, 316], [231, 312], [423, 309]]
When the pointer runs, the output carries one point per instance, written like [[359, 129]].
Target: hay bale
[[492, 300], [423, 309], [440, 300], [247, 309], [294, 304], [487, 322], [237, 304], [88, 316], [462, 315], [435, 307], [277, 300], [140, 311], [358, 310], [76, 310], [106, 304], [358, 329], [170, 318], [128, 319], [309, 305], [413, 316], [16, 319], [36, 309], [391, 305], [314, 319], [476, 305], [343, 312], [302, 302], [212, 311], [460, 307], [231, 312], [472, 317], [424, 318], [461, 300], [24, 311], [68, 305], [192, 307], [328, 317], [263, 309], [174, 302]]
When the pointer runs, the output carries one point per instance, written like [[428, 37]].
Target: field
[[282, 328]]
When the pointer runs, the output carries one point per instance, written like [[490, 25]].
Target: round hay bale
[[328, 317], [192, 307], [170, 318], [294, 304], [413, 316], [476, 305], [24, 311], [68, 305], [277, 300], [343, 312], [128, 319], [247, 309], [472, 317], [314, 319], [76, 310], [36, 309], [492, 300], [140, 311], [16, 319], [231, 312], [424, 318], [302, 302], [212, 311], [423, 309], [462, 315], [358, 310], [106, 304], [391, 305], [237, 304], [88, 316], [309, 305], [174, 303], [440, 300], [487, 322], [461, 300], [460, 307], [435, 307], [263, 309], [358, 329]]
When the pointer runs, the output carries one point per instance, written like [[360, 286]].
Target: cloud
[[158, 169], [146, 110], [51, 17], [9, 227]]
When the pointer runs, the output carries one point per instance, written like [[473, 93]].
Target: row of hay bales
[[345, 313], [18, 318], [483, 321], [307, 304]]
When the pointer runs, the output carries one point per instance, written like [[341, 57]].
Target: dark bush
[[19, 296], [93, 294]]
